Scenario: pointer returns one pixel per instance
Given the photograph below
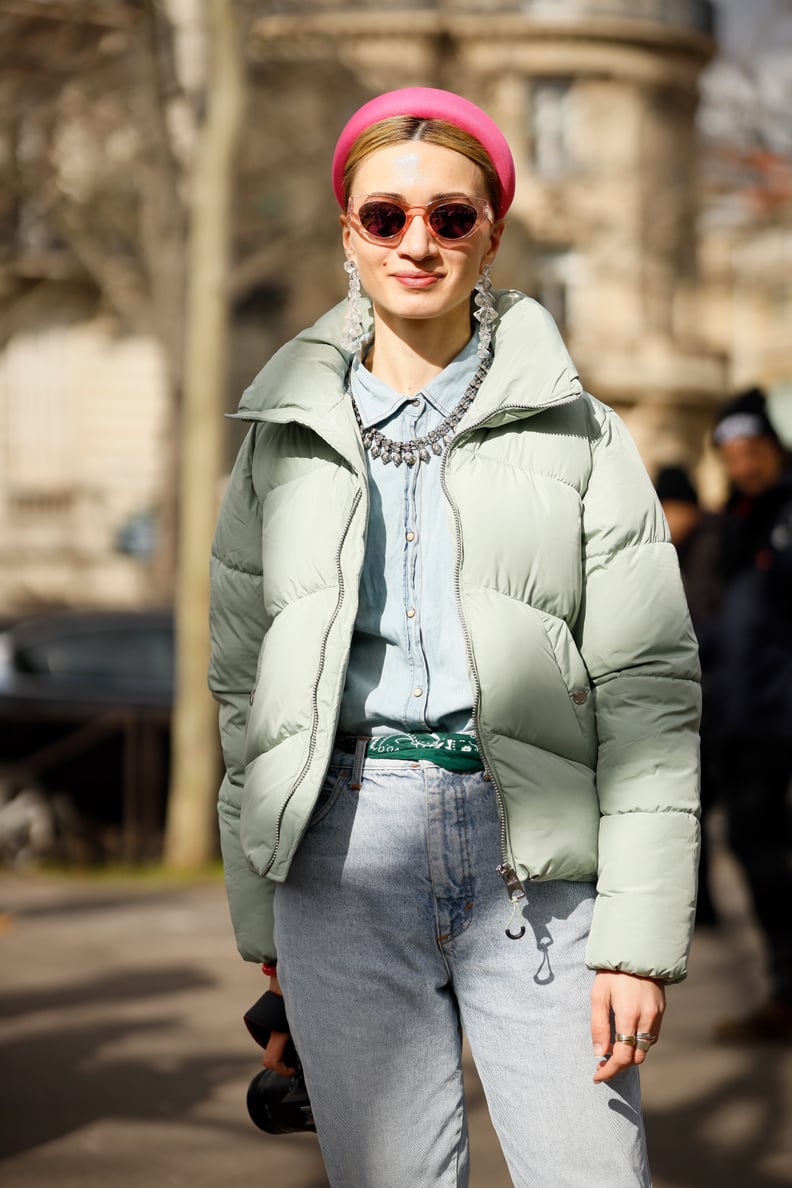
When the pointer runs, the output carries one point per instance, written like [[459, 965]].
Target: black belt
[[348, 742]]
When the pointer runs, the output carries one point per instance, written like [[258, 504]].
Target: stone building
[[81, 441], [82, 396], [598, 100], [745, 282]]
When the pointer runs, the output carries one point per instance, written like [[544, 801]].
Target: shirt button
[[411, 613], [418, 692], [410, 536], [415, 403], [579, 696]]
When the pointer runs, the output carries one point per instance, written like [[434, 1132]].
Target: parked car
[[87, 657], [85, 709]]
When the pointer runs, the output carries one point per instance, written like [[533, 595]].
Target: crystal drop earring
[[352, 335], [485, 312]]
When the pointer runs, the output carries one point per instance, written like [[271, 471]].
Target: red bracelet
[[268, 968]]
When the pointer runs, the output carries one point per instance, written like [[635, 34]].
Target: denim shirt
[[408, 666]]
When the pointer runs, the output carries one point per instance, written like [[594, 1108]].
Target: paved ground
[[124, 1062]]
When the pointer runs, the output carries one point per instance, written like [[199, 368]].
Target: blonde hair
[[398, 129]]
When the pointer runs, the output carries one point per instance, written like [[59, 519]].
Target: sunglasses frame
[[482, 206]]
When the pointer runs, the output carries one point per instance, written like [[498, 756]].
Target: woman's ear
[[494, 243], [346, 237]]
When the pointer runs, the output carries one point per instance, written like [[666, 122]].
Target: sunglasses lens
[[453, 220], [382, 220], [385, 221]]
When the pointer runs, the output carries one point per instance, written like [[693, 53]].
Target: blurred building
[[598, 100], [81, 439], [745, 253], [83, 408]]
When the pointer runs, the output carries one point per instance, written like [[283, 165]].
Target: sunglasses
[[449, 220]]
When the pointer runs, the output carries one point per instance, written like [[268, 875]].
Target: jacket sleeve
[[638, 644], [238, 622]]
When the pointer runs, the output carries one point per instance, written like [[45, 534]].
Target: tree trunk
[[190, 833]]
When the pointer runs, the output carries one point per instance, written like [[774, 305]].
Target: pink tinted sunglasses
[[384, 220]]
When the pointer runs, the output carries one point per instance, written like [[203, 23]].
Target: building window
[[552, 283], [549, 111], [39, 423]]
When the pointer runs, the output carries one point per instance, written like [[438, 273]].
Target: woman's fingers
[[276, 1044], [601, 1019], [635, 1005], [273, 1054]]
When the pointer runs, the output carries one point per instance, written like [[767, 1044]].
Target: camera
[[276, 1104], [279, 1105]]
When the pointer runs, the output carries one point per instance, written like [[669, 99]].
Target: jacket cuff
[[646, 894]]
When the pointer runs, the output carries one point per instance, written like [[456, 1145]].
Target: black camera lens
[[279, 1105]]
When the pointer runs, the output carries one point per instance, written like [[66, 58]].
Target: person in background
[[696, 533], [752, 697], [459, 696]]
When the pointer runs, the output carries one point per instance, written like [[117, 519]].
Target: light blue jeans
[[391, 941]]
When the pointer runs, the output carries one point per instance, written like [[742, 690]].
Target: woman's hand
[[276, 1045], [636, 1005]]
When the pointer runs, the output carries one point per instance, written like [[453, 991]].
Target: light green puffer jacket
[[581, 654]]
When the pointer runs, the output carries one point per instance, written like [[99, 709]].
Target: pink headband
[[426, 103]]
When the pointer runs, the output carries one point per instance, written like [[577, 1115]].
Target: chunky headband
[[427, 103]]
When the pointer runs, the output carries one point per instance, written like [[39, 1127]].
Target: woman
[[462, 793]]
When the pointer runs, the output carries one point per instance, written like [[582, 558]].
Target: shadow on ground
[[722, 1139], [62, 1078]]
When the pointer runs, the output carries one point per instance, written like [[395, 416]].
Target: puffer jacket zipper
[[515, 890], [315, 691], [506, 869]]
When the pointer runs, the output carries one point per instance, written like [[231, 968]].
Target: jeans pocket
[[328, 795]]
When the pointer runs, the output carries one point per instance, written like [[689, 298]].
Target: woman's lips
[[416, 280]]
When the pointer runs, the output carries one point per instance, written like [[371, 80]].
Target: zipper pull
[[514, 887], [516, 892]]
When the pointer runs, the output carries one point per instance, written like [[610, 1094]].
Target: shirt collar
[[377, 402]]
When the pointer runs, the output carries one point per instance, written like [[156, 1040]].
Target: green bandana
[[455, 752]]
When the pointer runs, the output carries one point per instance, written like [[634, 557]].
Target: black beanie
[[744, 416], [673, 483]]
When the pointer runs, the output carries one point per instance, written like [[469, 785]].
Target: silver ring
[[643, 1045], [621, 1038], [648, 1036]]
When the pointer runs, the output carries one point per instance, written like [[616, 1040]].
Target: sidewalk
[[124, 1061]]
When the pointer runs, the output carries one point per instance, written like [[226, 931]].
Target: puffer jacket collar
[[304, 382]]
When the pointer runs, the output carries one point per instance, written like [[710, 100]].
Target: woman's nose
[[417, 240]]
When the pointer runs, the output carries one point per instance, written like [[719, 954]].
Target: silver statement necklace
[[420, 449]]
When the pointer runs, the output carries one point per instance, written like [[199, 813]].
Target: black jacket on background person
[[750, 692], [753, 634], [750, 718]]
